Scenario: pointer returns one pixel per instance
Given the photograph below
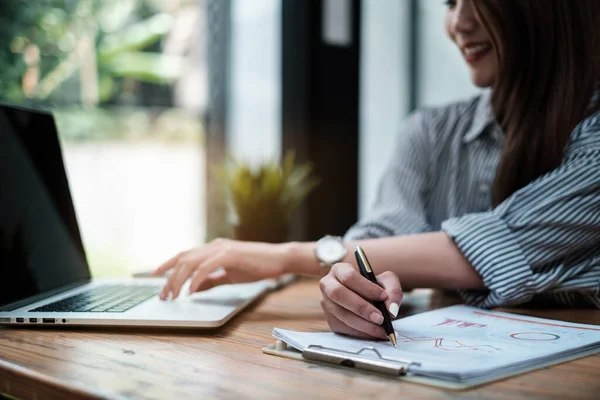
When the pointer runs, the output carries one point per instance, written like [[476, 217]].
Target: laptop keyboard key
[[108, 298]]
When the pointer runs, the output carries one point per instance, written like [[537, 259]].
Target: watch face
[[330, 250]]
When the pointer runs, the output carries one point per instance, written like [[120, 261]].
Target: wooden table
[[228, 363]]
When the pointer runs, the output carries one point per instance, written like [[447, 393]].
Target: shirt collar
[[482, 118]]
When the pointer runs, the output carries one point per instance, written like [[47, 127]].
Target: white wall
[[255, 91], [383, 89]]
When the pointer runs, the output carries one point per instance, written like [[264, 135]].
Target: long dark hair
[[549, 66]]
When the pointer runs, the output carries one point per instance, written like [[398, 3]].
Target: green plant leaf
[[136, 37], [289, 162], [146, 66], [267, 193]]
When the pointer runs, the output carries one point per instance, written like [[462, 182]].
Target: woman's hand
[[346, 300], [220, 262]]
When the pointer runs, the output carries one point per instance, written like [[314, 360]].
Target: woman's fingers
[[176, 281], [391, 284], [349, 277], [207, 268], [347, 301], [350, 319], [241, 262], [216, 278], [183, 266], [173, 285], [338, 326], [172, 262], [341, 295]]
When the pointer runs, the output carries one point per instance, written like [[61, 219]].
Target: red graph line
[[534, 322], [438, 343]]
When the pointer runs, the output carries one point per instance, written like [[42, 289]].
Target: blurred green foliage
[[52, 50], [50, 36], [20, 20], [129, 124]]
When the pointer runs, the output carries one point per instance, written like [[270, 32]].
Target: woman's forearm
[[428, 260]]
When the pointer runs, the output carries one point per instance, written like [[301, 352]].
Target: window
[[255, 80], [126, 80], [384, 89]]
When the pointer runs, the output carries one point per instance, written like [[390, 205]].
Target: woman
[[498, 197]]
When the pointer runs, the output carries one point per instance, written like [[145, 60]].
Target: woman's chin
[[481, 80]]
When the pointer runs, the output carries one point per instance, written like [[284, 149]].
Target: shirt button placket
[[483, 198]]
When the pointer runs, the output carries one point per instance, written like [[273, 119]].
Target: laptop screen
[[40, 243]]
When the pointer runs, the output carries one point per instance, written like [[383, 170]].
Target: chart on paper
[[444, 344], [464, 338], [476, 335]]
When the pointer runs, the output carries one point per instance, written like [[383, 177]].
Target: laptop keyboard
[[105, 298]]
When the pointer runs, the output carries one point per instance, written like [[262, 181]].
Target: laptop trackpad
[[213, 305], [226, 295]]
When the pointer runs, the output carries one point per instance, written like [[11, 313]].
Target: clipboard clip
[[352, 359]]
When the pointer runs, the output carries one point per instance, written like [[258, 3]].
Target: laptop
[[44, 276]]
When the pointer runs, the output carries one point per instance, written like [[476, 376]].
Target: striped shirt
[[540, 244]]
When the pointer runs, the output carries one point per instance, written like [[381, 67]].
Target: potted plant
[[262, 198]]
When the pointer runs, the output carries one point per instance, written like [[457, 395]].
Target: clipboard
[[396, 368]]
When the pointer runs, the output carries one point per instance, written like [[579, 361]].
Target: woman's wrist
[[299, 258]]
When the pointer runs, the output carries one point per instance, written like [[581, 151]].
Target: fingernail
[[394, 308], [383, 296], [376, 318]]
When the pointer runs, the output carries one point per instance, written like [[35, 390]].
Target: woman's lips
[[473, 52]]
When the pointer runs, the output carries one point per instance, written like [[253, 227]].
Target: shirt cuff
[[494, 251]]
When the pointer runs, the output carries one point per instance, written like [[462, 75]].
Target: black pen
[[365, 270]]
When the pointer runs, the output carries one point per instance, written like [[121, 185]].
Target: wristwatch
[[328, 251]]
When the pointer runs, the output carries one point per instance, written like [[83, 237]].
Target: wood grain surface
[[228, 363]]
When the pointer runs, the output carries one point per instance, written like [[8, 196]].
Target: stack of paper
[[465, 344]]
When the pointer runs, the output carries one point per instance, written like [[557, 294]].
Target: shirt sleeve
[[545, 238], [399, 202]]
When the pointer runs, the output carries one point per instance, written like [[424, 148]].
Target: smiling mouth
[[476, 51]]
